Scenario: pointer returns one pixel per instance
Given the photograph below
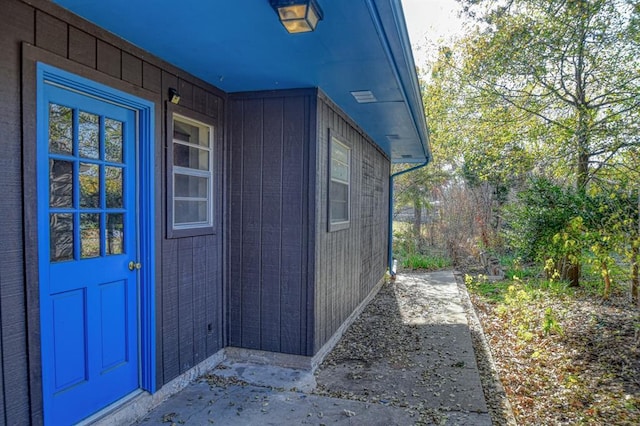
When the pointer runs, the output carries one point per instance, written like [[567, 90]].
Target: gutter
[[411, 101], [409, 89]]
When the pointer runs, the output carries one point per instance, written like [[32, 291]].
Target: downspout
[[392, 269]]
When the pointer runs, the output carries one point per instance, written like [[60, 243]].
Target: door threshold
[[109, 408]]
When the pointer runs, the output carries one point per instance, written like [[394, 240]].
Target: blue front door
[[87, 233]]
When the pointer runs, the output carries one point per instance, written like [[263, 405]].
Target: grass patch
[[491, 291], [427, 262]]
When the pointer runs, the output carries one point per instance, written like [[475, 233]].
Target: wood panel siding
[[277, 280], [189, 272], [348, 262], [17, 26], [269, 136], [292, 283]]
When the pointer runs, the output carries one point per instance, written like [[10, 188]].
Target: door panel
[[69, 339], [87, 215], [113, 323]]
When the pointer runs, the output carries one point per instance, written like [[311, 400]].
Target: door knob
[[134, 265]]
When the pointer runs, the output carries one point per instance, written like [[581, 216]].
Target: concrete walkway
[[433, 380]]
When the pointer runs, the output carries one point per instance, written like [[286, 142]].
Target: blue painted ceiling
[[239, 45]]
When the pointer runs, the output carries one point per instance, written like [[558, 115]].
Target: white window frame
[[335, 141], [191, 228]]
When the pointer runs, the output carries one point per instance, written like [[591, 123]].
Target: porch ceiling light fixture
[[298, 16]]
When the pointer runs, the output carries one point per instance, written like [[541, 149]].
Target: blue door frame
[[139, 113]]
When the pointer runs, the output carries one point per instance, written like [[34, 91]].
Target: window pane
[[339, 182], [191, 186], [115, 234], [339, 202], [61, 237], [88, 135], [191, 133], [113, 176], [89, 186], [193, 158], [190, 211], [192, 175], [339, 152], [60, 183], [339, 192], [60, 129], [340, 171], [113, 140], [339, 212], [89, 235]]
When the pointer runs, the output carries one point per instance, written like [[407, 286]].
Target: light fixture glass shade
[[298, 16]]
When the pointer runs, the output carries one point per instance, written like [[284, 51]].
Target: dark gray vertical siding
[[236, 137], [199, 297], [251, 280], [349, 262], [189, 273], [271, 230], [192, 274], [295, 215], [16, 25], [109, 59], [131, 69], [169, 345], [185, 303], [269, 138], [82, 47]]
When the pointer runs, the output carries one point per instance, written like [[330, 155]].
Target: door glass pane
[[115, 234], [113, 176], [89, 235], [191, 186], [60, 129], [89, 135], [190, 211], [188, 156], [61, 236], [89, 186], [60, 183], [113, 140]]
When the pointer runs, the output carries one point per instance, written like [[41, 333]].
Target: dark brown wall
[[16, 25], [279, 247], [269, 137], [189, 282], [292, 283], [348, 262]]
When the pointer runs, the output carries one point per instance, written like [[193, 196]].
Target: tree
[[573, 64], [483, 138]]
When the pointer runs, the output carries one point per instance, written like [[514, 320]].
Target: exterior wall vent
[[364, 96]]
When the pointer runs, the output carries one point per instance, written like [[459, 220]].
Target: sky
[[430, 20]]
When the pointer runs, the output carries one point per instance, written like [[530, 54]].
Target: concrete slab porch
[[407, 359]]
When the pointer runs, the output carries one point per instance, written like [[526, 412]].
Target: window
[[339, 184], [191, 177]]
